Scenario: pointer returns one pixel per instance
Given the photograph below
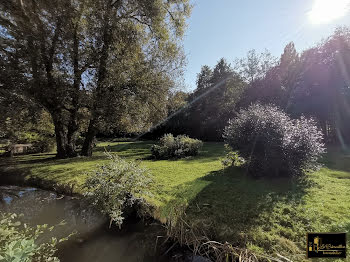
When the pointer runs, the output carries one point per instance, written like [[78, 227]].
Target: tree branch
[[142, 22]]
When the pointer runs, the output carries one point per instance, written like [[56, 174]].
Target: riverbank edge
[[176, 233], [15, 176], [11, 175]]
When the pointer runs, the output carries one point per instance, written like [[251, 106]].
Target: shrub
[[21, 242], [176, 147], [116, 185], [232, 158], [43, 146], [272, 143]]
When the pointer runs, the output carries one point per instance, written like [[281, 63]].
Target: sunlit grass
[[265, 215]]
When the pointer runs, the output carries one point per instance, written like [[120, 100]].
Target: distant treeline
[[314, 83]]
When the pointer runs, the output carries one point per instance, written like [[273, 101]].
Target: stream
[[93, 241]]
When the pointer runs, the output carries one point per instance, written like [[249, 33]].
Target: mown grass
[[267, 216]]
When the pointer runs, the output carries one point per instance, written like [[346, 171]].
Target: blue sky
[[229, 28]]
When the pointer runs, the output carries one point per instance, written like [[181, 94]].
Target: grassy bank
[[266, 216]]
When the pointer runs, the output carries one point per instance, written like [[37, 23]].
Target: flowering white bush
[[272, 143]]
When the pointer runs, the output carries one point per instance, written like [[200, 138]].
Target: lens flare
[[325, 11]]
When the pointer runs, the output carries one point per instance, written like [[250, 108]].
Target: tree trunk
[[99, 92], [73, 128], [65, 140], [61, 139], [73, 125], [89, 139], [71, 146]]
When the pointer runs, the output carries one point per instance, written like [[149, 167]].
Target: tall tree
[[323, 88], [214, 100], [314, 83], [71, 56], [279, 83], [254, 66], [255, 69], [198, 99]]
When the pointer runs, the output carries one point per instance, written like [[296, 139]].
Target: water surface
[[94, 241]]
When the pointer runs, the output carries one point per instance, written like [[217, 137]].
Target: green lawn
[[270, 216]]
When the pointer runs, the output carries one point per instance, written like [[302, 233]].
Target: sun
[[325, 11]]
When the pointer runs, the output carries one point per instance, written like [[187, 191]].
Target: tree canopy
[[314, 83], [84, 60], [110, 67]]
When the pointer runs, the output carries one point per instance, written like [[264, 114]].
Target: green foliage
[[116, 185], [265, 215], [43, 145], [272, 143], [210, 106], [176, 147], [232, 158], [20, 123], [255, 66], [311, 83], [218, 91], [107, 64], [23, 243], [176, 101], [79, 141]]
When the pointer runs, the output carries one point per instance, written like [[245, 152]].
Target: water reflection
[[93, 240]]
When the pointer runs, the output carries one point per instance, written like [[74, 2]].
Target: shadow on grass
[[138, 149], [37, 158], [46, 167], [141, 150], [336, 160], [211, 151], [230, 204], [53, 161]]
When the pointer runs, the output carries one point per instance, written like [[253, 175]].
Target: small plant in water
[[116, 185]]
